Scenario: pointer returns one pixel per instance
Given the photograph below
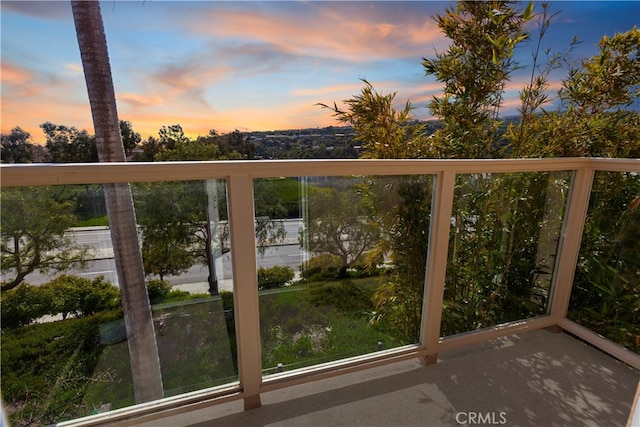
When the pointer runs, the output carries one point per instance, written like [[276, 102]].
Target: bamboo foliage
[[505, 227]]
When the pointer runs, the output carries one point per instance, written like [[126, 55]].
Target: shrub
[[399, 306], [322, 267], [99, 296], [344, 296], [370, 264], [22, 305], [175, 295], [227, 300], [274, 277], [158, 290], [47, 366], [79, 296], [66, 295]]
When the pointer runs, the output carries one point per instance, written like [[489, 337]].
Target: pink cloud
[[30, 98], [19, 82], [178, 77], [139, 100], [328, 32], [324, 91], [14, 75], [54, 10], [190, 76], [74, 69]]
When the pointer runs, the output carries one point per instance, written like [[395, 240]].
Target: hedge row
[[65, 295]]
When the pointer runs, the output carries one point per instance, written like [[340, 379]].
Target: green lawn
[[93, 222]]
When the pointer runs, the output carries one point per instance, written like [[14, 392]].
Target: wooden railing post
[[569, 246], [440, 227], [245, 287]]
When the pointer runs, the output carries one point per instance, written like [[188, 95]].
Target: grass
[[329, 321], [93, 222]]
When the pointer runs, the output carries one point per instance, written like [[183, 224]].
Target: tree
[[232, 146], [606, 291], [174, 227], [601, 119], [504, 225], [69, 145], [79, 296], [188, 225], [609, 81], [400, 205], [402, 208], [385, 133], [235, 145], [338, 223], [494, 267], [171, 136], [143, 349], [189, 150], [474, 69], [16, 147], [269, 208], [598, 107], [172, 145], [185, 222], [193, 230], [534, 95], [130, 138], [150, 147], [165, 249], [35, 234]]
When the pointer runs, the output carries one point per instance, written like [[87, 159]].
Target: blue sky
[[249, 65]]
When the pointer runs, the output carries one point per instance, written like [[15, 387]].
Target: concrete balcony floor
[[536, 378]]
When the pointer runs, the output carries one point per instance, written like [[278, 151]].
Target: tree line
[[67, 144]]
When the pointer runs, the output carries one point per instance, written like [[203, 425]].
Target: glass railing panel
[[186, 252], [606, 291], [504, 237], [64, 343], [344, 272]]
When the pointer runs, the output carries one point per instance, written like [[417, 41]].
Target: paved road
[[195, 279]]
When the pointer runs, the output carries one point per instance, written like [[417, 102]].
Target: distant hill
[[332, 142]]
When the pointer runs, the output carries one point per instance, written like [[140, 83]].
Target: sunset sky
[[248, 65]]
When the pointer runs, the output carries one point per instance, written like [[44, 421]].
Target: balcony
[[535, 378], [494, 366]]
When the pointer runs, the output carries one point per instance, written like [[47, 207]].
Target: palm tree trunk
[[143, 349]]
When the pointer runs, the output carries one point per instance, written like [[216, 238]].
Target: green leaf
[[528, 12]]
